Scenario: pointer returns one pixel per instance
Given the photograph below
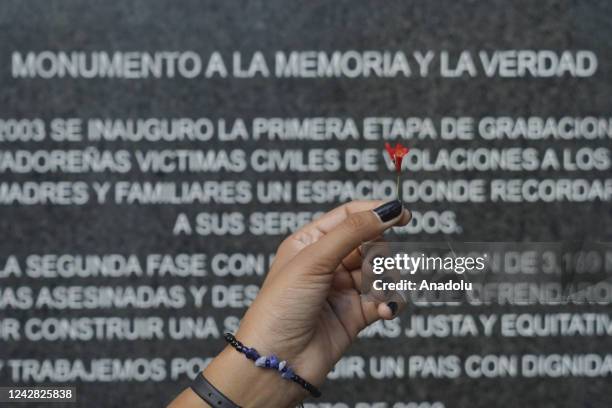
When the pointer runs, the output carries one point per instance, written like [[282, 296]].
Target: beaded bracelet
[[272, 362]]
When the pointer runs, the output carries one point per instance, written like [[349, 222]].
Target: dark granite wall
[[247, 26]]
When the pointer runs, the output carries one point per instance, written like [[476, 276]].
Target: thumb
[[323, 256]]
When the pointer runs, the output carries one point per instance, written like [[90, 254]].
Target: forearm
[[245, 384]]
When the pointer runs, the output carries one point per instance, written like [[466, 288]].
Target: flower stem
[[397, 187]]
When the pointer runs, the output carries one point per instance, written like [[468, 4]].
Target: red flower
[[397, 154]]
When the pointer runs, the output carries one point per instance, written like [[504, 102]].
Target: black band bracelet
[[272, 362], [210, 394]]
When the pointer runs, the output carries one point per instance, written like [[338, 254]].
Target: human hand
[[309, 309]]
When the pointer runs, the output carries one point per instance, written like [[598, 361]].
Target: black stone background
[[204, 26]]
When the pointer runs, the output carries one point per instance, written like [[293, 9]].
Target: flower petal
[[390, 150]]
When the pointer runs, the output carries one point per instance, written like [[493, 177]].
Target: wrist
[[250, 386]]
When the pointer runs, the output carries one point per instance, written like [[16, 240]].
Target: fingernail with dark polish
[[393, 307], [389, 211]]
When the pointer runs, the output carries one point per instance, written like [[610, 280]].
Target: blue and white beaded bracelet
[[272, 362]]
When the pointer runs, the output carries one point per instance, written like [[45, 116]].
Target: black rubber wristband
[[210, 394]]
